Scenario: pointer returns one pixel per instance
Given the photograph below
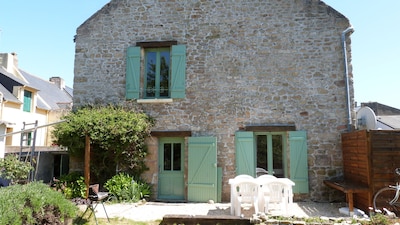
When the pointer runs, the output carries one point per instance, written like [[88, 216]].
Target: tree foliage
[[117, 138]]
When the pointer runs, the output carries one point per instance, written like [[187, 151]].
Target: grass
[[113, 221]]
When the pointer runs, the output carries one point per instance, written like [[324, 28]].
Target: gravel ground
[[151, 211]]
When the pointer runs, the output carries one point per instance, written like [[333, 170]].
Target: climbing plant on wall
[[117, 138]]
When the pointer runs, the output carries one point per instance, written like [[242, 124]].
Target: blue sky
[[41, 33]]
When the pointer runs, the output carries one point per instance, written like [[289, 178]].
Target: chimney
[[9, 61], [15, 59], [58, 81]]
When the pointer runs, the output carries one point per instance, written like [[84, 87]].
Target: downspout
[[346, 76]]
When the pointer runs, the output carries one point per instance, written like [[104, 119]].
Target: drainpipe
[[346, 75]]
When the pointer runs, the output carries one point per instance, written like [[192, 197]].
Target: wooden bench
[[349, 188], [204, 220]]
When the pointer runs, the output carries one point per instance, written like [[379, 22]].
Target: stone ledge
[[167, 100], [170, 219]]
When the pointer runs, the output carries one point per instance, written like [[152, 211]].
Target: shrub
[[13, 169], [117, 138], [123, 188], [72, 185], [34, 203]]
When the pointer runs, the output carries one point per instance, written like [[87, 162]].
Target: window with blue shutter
[[27, 101], [164, 72]]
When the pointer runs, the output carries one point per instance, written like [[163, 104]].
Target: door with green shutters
[[245, 153], [202, 169], [246, 157], [171, 171], [298, 161]]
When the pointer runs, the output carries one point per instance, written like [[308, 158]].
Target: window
[[270, 153], [157, 61], [9, 138], [172, 157], [156, 72], [27, 101], [27, 136]]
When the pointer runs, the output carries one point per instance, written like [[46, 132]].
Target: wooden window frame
[[157, 85], [171, 133]]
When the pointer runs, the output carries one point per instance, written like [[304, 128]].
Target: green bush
[[72, 185], [34, 203], [117, 138], [13, 169], [123, 188]]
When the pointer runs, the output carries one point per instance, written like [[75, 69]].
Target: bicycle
[[388, 197]]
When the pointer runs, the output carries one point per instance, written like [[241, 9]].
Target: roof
[[381, 109], [387, 117], [8, 96], [390, 121], [12, 77], [6, 122], [51, 97]]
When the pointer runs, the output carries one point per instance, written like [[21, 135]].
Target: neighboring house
[[387, 117], [233, 86], [26, 98]]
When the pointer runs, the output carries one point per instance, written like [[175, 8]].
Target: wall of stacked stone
[[248, 62]]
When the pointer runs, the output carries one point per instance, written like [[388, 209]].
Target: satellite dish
[[366, 119]]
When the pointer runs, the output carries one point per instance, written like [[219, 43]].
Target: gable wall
[[248, 62]]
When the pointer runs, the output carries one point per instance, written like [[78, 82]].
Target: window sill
[[165, 100]]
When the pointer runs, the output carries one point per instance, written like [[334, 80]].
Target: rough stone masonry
[[248, 62]]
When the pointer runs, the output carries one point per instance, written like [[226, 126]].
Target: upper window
[[156, 72], [27, 101]]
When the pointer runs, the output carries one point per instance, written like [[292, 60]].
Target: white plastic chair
[[246, 195], [263, 190], [280, 195], [265, 176]]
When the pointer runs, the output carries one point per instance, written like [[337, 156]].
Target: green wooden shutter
[[27, 101], [245, 153], [202, 169], [298, 161], [132, 72], [178, 71]]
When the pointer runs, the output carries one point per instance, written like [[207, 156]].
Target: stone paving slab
[[151, 211]]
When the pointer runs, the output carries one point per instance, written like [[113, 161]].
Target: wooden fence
[[370, 158]]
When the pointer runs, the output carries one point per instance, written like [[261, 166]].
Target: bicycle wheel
[[382, 200]]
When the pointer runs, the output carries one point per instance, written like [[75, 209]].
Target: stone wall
[[248, 62]]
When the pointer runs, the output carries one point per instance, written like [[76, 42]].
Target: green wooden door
[[245, 153], [171, 171], [202, 169], [298, 161]]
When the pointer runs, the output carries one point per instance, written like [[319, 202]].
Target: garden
[[117, 140]]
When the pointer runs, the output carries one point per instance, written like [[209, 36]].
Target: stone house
[[233, 86]]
